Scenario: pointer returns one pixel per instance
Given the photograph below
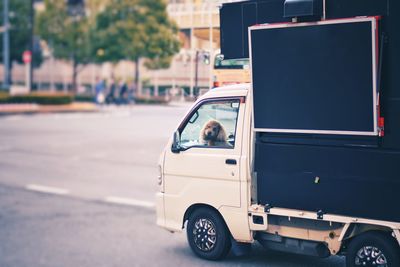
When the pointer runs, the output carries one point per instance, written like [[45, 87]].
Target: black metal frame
[[357, 176]]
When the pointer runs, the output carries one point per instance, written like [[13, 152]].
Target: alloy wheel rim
[[204, 234], [370, 256]]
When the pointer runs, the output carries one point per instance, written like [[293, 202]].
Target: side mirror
[[176, 148]]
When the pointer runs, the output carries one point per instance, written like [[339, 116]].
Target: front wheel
[[373, 249], [208, 235]]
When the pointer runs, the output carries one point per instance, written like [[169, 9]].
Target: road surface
[[78, 190]]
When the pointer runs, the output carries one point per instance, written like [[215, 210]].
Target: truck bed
[[354, 181]]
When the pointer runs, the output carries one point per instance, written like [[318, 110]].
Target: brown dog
[[213, 134]]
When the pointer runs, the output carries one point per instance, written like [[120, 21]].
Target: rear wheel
[[208, 235], [373, 249]]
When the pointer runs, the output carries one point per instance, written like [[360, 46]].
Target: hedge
[[37, 98], [84, 98], [151, 100], [45, 98]]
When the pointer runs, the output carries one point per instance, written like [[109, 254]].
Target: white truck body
[[199, 177]]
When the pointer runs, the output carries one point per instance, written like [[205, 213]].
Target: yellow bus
[[230, 71]]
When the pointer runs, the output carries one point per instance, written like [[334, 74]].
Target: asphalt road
[[78, 190]]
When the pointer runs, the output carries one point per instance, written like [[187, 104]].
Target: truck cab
[[195, 173]]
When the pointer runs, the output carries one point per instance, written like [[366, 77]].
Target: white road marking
[[108, 199], [129, 201], [47, 189]]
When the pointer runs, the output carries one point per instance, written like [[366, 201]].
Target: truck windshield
[[213, 124]]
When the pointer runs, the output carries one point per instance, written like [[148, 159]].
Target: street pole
[[6, 46], [31, 40], [196, 73], [28, 76], [191, 49], [52, 86], [211, 55], [156, 85]]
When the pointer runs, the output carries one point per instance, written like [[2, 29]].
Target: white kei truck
[[306, 158]]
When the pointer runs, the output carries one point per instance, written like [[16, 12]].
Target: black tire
[[372, 247], [208, 235]]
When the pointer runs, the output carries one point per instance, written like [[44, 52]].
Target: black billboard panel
[[235, 18], [315, 77], [350, 181], [249, 19], [352, 8], [231, 31]]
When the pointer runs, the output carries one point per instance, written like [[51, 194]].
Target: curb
[[12, 109]]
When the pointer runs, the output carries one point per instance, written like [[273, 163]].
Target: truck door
[[206, 169]]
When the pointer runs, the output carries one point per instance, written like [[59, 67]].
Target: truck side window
[[213, 124]]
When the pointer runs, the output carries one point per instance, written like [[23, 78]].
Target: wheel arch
[[360, 247], [189, 211], [357, 229]]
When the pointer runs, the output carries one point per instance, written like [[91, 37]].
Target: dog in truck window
[[214, 134]]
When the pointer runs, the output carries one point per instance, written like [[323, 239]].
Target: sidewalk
[[8, 109], [185, 104]]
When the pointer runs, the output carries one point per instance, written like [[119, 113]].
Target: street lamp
[[6, 46], [75, 10], [29, 80], [203, 56]]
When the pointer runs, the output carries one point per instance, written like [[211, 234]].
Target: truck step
[[292, 245]]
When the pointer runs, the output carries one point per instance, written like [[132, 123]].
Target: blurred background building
[[191, 69]]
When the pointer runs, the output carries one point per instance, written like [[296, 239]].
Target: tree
[[135, 29], [158, 63], [20, 32], [67, 35]]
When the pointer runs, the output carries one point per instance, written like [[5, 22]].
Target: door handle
[[230, 161]]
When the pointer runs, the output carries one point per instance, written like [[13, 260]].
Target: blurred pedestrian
[[123, 90], [99, 90], [111, 92], [132, 93]]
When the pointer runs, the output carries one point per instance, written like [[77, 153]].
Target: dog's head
[[213, 131]]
